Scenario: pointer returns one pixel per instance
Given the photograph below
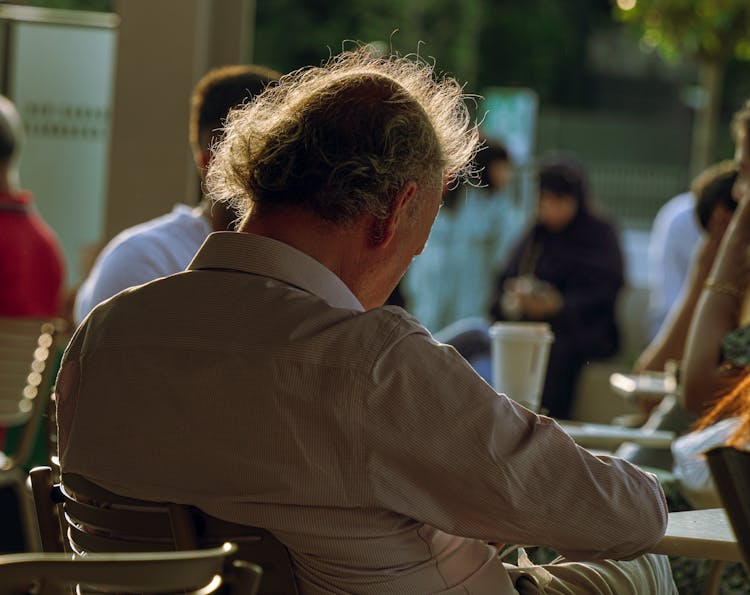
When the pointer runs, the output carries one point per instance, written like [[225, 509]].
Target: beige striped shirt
[[255, 386]]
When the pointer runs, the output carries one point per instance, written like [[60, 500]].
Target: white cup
[[520, 351]]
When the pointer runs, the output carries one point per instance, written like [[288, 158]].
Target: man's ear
[[383, 230]]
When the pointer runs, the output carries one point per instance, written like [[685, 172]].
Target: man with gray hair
[[267, 385]]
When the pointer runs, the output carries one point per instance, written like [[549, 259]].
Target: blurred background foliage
[[641, 90], [708, 33], [540, 44], [552, 46]]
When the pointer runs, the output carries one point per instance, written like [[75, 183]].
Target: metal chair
[[92, 519], [27, 366], [196, 572]]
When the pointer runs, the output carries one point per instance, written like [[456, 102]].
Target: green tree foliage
[[709, 30], [536, 43], [293, 33], [709, 33], [541, 44]]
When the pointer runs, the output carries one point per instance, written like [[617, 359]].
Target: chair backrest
[[97, 520], [195, 571], [27, 349], [730, 469]]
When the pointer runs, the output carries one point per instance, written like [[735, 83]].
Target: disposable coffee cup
[[520, 352]]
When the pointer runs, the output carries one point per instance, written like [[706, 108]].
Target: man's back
[[292, 409]]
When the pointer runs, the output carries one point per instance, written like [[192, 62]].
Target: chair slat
[[135, 524], [99, 521]]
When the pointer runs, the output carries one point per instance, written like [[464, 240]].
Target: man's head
[[359, 151], [11, 139], [714, 203], [216, 93], [741, 133], [341, 140]]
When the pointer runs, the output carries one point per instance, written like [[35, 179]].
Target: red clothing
[[31, 261]]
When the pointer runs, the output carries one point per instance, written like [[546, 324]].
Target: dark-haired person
[[716, 365], [567, 269], [165, 245], [713, 208], [718, 345]]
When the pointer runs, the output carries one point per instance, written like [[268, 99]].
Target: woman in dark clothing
[[567, 269]]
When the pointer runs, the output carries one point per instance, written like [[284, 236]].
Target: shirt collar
[[260, 255]]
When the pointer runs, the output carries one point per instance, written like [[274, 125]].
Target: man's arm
[[448, 450]]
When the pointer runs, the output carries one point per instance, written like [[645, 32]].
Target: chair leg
[[31, 528], [713, 580]]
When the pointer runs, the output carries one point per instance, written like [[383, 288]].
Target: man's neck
[[341, 249]]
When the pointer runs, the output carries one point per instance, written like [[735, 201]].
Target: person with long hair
[[716, 367], [716, 358]]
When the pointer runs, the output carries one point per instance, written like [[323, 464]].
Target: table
[[704, 534], [649, 385], [603, 436]]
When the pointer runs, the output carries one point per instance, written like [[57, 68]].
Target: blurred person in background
[[31, 261], [718, 347], [452, 279], [32, 269], [166, 245], [713, 209], [715, 374], [567, 270], [713, 205], [674, 238], [713, 323]]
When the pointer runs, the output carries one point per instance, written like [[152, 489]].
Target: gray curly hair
[[343, 138]]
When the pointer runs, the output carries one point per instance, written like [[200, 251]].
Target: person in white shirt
[[269, 386], [165, 245], [673, 241]]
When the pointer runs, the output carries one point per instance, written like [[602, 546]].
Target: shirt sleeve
[[451, 452]]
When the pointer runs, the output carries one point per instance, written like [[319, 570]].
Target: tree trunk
[[706, 121]]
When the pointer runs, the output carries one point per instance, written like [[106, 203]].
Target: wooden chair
[[27, 365], [195, 572], [730, 469], [93, 519]]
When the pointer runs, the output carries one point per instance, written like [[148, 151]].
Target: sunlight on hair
[[344, 137]]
